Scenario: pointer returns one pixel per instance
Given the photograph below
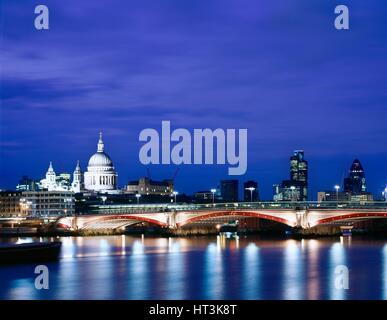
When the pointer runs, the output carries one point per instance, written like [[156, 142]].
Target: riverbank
[[292, 234]]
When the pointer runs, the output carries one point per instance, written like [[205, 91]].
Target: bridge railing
[[167, 207]]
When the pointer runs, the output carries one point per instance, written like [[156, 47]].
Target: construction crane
[[175, 175]]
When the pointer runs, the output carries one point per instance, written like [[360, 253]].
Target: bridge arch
[[248, 214], [123, 220], [350, 216]]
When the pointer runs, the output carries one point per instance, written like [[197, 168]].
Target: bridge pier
[[171, 220], [302, 218]]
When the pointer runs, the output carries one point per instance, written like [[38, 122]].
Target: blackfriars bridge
[[303, 215]]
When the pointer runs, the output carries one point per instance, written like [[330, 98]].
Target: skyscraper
[[296, 188], [355, 183], [229, 190], [299, 173]]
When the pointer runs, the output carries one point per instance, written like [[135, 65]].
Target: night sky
[[278, 68]]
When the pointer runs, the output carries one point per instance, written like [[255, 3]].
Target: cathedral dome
[[100, 159], [100, 175]]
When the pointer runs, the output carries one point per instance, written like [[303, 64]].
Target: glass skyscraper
[[296, 188], [355, 183], [299, 173]]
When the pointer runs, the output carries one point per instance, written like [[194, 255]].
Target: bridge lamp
[[175, 193], [213, 195], [138, 196], [251, 189], [337, 187]]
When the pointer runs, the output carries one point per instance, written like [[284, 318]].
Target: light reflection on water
[[126, 267], [384, 253], [251, 274], [337, 257], [293, 271]]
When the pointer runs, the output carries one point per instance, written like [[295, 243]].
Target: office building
[[355, 183], [333, 196], [28, 184], [295, 189], [146, 186], [11, 205], [204, 196], [48, 203], [229, 190]]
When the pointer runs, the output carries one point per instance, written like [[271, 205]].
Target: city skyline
[[293, 168], [197, 66], [189, 155]]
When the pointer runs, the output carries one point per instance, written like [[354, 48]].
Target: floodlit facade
[[100, 175], [11, 205], [48, 203], [146, 186]]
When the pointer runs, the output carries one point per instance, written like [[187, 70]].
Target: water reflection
[[69, 247], [22, 289], [175, 271], [337, 260], [213, 271], [384, 280], [124, 267], [251, 273], [137, 273], [293, 271], [313, 279]]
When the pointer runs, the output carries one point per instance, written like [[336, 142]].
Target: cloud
[[279, 69]]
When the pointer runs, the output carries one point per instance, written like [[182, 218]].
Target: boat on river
[[29, 252]]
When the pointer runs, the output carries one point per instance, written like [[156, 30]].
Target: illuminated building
[[355, 183], [295, 189], [52, 182], [204, 196], [27, 184], [299, 173], [100, 175], [48, 203], [10, 204], [146, 186], [77, 184]]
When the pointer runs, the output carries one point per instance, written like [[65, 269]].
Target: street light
[[175, 193], [251, 193], [138, 196], [337, 187], [213, 196]]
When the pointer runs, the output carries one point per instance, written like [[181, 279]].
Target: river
[[142, 267]]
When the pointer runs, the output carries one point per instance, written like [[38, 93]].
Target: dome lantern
[[100, 143]]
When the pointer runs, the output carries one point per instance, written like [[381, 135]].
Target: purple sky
[[278, 68]]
